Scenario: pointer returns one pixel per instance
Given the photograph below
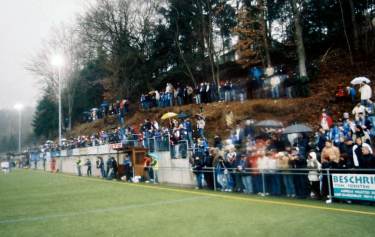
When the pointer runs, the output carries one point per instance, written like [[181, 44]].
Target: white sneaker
[[329, 201]]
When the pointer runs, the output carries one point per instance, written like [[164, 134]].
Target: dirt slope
[[335, 69]]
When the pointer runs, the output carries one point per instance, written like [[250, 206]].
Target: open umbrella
[[154, 156], [297, 128], [168, 115], [270, 124], [360, 80], [183, 115]]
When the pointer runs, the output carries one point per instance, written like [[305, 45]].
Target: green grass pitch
[[42, 204]]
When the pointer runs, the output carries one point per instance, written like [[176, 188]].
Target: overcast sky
[[24, 24]]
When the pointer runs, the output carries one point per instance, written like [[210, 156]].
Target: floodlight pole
[[19, 130], [60, 107]]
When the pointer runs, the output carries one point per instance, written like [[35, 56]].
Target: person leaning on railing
[[330, 154], [286, 176], [197, 170], [221, 172]]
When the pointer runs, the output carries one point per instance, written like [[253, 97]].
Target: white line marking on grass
[[99, 210], [43, 195], [229, 197]]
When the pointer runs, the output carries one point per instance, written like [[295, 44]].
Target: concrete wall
[[171, 171], [175, 171]]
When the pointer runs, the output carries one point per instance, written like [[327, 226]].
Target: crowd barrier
[[327, 184], [324, 184], [345, 184], [178, 150]]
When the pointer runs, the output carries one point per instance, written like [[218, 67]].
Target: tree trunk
[[299, 40], [189, 72], [210, 43], [355, 26], [346, 33], [70, 114], [263, 9]]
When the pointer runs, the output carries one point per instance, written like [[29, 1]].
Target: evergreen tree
[[45, 121]]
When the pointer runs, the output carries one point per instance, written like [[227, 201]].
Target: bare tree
[[120, 28], [64, 40]]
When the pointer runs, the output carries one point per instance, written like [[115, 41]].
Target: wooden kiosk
[[136, 154]]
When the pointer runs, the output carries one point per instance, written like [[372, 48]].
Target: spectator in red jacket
[[326, 121]]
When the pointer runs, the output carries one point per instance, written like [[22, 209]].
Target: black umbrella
[[183, 115], [269, 124], [298, 128]]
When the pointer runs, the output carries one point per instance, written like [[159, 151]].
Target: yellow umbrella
[[168, 115]]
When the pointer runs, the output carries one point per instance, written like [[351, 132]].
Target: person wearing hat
[[314, 166]]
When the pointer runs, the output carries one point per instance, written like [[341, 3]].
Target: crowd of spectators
[[177, 136], [185, 94], [270, 82], [269, 163], [293, 165], [119, 109], [111, 169]]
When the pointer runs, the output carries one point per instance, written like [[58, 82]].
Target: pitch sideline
[[228, 197]]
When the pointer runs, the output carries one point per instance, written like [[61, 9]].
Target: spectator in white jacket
[[200, 126], [358, 150], [366, 93], [357, 110], [313, 176]]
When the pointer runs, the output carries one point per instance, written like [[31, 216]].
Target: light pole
[[57, 62], [19, 108]]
